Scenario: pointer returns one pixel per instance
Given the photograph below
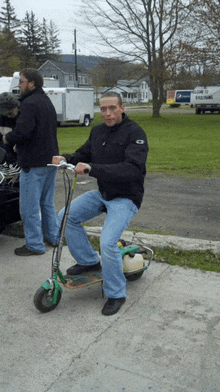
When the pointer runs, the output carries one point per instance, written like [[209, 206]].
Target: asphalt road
[[175, 205], [148, 109], [171, 205]]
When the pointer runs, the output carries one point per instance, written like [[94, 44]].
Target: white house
[[131, 91]]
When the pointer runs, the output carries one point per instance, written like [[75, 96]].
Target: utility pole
[[76, 75]]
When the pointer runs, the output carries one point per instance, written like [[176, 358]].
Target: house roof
[[62, 67], [130, 83], [117, 89], [66, 64]]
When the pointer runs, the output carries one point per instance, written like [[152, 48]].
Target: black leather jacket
[[117, 156]]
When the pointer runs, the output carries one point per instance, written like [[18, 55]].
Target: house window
[[71, 78], [54, 77]]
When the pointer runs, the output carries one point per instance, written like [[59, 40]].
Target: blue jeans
[[119, 213], [37, 189]]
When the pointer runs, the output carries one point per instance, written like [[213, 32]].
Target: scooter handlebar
[[63, 165]]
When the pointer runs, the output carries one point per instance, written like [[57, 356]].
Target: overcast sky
[[63, 14]]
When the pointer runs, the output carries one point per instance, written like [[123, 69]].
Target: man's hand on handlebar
[[57, 159], [82, 168]]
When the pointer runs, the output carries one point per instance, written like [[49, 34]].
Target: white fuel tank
[[133, 263]]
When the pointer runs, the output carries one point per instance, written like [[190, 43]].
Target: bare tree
[[199, 33], [109, 71], [139, 30]]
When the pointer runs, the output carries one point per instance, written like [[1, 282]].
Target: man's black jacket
[[117, 156], [35, 134]]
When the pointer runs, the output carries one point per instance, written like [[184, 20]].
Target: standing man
[[35, 138], [115, 154]]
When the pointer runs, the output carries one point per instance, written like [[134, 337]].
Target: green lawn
[[180, 144], [203, 260]]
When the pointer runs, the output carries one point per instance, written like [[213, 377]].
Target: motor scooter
[[48, 296]]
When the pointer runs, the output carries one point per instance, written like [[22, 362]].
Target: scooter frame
[[52, 285]]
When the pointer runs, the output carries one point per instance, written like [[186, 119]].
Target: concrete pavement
[[165, 338]]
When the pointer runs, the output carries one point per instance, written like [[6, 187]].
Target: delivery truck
[[175, 98], [72, 104], [206, 99]]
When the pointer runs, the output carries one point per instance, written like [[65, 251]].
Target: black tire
[[87, 121], [135, 276], [41, 300]]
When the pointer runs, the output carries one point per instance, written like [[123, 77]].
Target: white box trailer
[[73, 104], [5, 82], [206, 99], [14, 85]]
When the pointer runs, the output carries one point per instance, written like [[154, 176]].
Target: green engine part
[[129, 248]]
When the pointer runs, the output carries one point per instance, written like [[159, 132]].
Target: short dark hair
[[113, 94], [33, 75], [8, 102]]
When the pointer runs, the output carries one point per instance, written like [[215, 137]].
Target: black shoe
[[23, 251], [112, 306], [79, 269]]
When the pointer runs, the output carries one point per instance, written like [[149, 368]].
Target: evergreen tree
[[54, 41], [45, 38], [10, 59], [45, 42], [32, 36], [8, 18]]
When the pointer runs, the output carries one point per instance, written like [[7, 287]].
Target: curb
[[162, 241]]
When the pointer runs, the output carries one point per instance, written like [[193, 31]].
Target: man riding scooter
[[115, 154]]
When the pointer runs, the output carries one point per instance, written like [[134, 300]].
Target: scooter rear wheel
[[135, 276], [43, 301]]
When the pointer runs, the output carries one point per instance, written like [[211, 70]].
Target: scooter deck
[[86, 279]]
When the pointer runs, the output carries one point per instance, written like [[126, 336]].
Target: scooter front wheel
[[43, 300]]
